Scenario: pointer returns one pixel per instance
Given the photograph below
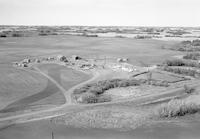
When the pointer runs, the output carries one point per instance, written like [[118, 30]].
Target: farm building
[[75, 57], [26, 60], [124, 67], [122, 60], [37, 61], [61, 58], [50, 58]]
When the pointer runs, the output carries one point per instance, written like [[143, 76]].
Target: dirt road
[[56, 111], [69, 106]]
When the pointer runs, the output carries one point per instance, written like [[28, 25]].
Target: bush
[[190, 46], [188, 90], [3, 35], [89, 98], [92, 98], [159, 83], [101, 86], [195, 42], [43, 34], [176, 108], [188, 72], [180, 62], [104, 98], [192, 56], [17, 34], [93, 93]]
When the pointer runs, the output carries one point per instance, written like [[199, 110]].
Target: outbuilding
[[122, 60], [75, 57], [61, 58], [26, 60]]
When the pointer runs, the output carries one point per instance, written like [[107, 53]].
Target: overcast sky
[[101, 12]]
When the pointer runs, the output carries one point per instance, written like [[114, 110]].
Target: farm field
[[163, 76], [15, 49], [49, 96], [99, 69], [149, 51], [121, 97]]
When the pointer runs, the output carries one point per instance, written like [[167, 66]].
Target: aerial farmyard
[[99, 69]]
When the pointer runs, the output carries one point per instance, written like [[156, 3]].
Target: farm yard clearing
[[74, 77]]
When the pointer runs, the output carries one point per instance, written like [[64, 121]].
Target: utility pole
[[105, 60], [52, 135], [149, 72], [104, 63]]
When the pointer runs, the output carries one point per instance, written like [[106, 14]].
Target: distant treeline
[[189, 46]]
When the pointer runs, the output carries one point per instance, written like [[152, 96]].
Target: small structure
[[61, 58], [26, 60], [79, 100], [24, 65], [87, 66], [122, 60], [75, 57], [123, 66], [37, 61], [50, 58]]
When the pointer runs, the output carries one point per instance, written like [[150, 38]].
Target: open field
[[148, 51], [16, 83], [161, 76], [15, 49], [43, 90], [28, 90]]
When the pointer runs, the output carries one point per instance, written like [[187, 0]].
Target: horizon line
[[102, 26]]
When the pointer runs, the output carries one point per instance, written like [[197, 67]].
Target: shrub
[[188, 72], [142, 37], [180, 62], [92, 98], [43, 34], [195, 42], [89, 98], [190, 46], [193, 56], [104, 98], [3, 35], [101, 86], [186, 42], [94, 91], [175, 108], [188, 90], [17, 34], [159, 83]]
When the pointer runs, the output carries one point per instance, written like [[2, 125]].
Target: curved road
[[63, 109], [52, 112], [67, 97]]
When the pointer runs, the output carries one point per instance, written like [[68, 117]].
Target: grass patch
[[176, 108]]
